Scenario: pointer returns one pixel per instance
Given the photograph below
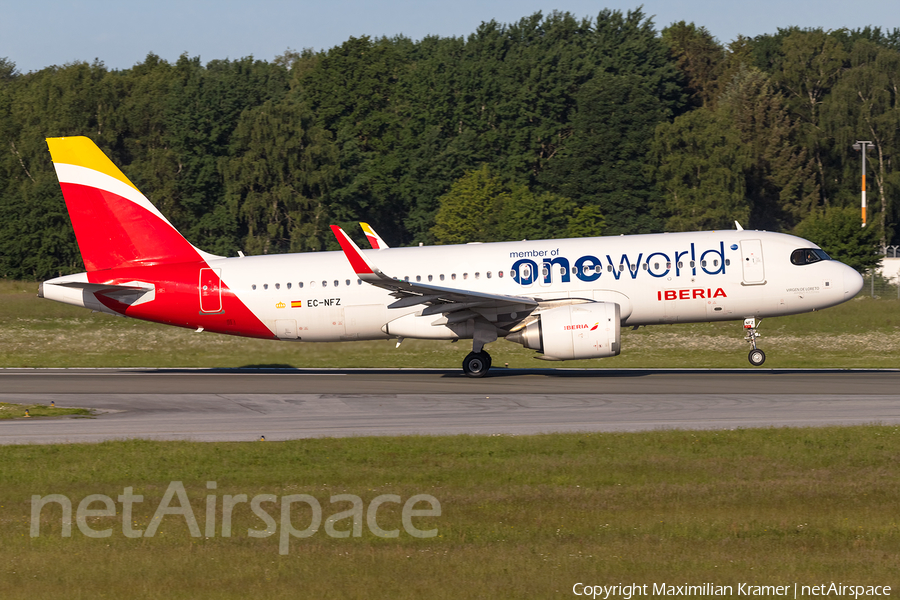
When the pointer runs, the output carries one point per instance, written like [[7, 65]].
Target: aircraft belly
[[364, 322], [752, 302], [720, 309], [324, 324]]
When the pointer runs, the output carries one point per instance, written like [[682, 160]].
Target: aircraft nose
[[853, 282]]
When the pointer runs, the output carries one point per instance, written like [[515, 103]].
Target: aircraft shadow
[[497, 372]]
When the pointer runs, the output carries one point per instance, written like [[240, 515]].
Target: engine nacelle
[[589, 330]]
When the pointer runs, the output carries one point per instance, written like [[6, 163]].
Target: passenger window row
[[442, 276], [312, 284], [489, 274]]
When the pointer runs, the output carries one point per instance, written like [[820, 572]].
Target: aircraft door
[[286, 329], [210, 291], [752, 262]]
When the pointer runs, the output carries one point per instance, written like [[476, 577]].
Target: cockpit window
[[808, 256]]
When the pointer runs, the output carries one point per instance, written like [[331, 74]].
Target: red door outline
[[210, 291]]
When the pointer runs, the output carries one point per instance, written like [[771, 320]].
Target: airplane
[[565, 298]]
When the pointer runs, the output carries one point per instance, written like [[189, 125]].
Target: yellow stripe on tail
[[82, 152]]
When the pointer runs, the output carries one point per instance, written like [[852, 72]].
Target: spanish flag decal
[[296, 303]]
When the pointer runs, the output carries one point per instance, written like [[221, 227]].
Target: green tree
[[36, 237], [480, 207], [468, 212], [701, 163], [838, 231], [809, 65], [886, 39], [7, 69], [780, 182], [278, 179], [605, 162], [204, 105], [351, 90], [586, 221], [864, 104], [738, 57], [700, 57], [542, 216], [136, 134]]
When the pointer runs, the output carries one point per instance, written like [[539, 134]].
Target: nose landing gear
[[756, 357]]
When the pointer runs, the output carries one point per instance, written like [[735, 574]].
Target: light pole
[[864, 146]]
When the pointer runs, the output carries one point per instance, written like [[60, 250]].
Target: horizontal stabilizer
[[76, 290]]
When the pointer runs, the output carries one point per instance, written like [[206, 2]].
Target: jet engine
[[589, 330]]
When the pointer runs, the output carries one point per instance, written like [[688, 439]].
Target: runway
[[244, 404]]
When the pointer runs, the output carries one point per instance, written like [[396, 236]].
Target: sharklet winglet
[[358, 262], [374, 239]]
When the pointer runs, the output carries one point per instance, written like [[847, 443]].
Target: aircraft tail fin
[[115, 224]]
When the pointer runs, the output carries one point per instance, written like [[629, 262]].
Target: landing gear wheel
[[476, 364], [756, 357]]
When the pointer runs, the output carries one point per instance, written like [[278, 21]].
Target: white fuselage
[[656, 278]]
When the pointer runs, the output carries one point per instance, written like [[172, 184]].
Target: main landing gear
[[756, 357], [476, 364]]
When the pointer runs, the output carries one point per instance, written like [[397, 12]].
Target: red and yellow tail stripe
[[115, 224]]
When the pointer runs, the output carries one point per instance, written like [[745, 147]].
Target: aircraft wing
[[456, 304]]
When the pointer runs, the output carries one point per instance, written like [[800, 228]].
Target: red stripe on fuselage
[[113, 231], [177, 300]]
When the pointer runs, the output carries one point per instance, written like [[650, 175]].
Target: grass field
[[521, 516], [42, 333], [18, 411]]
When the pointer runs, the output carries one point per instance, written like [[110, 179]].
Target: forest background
[[550, 127]]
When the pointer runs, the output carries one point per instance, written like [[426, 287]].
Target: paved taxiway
[[242, 404]]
